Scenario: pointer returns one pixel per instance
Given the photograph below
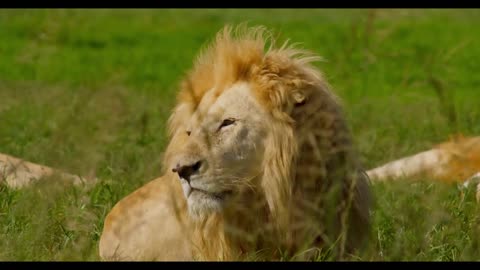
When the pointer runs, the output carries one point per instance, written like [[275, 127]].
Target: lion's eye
[[189, 132], [226, 122]]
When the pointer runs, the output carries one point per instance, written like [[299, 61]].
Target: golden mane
[[240, 54]]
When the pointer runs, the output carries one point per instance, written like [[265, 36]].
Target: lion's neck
[[209, 240], [241, 227]]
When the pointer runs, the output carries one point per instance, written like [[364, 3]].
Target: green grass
[[89, 91]]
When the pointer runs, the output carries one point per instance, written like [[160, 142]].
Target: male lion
[[260, 162]]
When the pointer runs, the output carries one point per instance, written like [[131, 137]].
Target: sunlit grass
[[89, 91]]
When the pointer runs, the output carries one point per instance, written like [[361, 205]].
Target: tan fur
[[311, 188], [464, 159], [452, 161], [18, 173], [149, 224]]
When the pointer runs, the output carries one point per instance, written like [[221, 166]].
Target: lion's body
[[279, 172], [18, 173], [452, 161], [145, 226]]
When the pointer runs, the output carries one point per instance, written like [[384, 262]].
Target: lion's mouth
[[220, 196]]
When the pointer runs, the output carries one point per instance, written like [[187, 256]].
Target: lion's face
[[224, 149]]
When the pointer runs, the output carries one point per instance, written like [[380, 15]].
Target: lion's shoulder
[[147, 224]]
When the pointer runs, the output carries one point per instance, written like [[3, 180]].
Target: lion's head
[[224, 150], [258, 133]]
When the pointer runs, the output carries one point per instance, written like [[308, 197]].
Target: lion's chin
[[201, 203]]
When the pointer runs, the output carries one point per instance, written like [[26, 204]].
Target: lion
[[455, 160], [18, 173], [260, 161]]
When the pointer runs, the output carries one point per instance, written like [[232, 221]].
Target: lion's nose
[[185, 171]]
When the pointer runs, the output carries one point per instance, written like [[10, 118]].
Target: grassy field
[[89, 91]]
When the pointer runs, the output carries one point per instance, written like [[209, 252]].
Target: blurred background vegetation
[[89, 92]]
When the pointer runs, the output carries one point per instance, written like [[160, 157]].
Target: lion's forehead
[[236, 101]]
